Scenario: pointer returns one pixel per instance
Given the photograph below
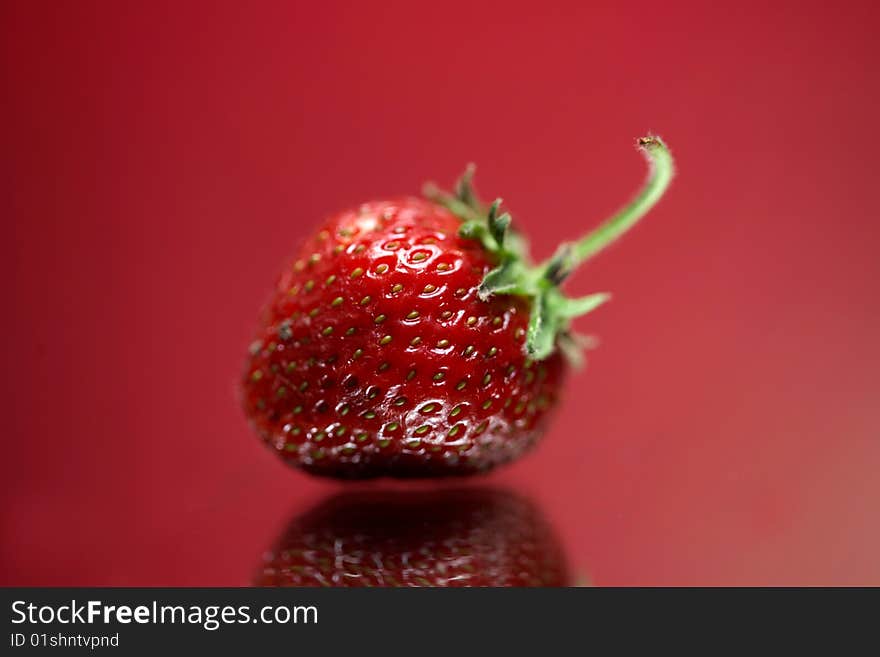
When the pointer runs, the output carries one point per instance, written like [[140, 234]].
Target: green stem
[[659, 177], [551, 311]]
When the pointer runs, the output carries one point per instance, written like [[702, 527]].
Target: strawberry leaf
[[570, 308], [464, 188], [552, 311], [541, 333], [504, 279], [498, 225]]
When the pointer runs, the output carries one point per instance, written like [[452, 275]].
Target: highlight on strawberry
[[415, 337]]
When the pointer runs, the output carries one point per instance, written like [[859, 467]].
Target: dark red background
[[160, 161]]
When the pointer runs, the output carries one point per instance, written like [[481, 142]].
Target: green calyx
[[552, 311]]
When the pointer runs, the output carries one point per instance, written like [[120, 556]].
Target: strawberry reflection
[[462, 537]]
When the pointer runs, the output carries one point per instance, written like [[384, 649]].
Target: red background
[[160, 161]]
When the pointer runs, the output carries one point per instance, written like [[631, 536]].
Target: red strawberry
[[412, 337], [471, 537]]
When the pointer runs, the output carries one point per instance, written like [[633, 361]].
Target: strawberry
[[471, 537], [412, 337]]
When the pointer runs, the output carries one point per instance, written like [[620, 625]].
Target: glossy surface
[[161, 161], [377, 358], [451, 538]]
